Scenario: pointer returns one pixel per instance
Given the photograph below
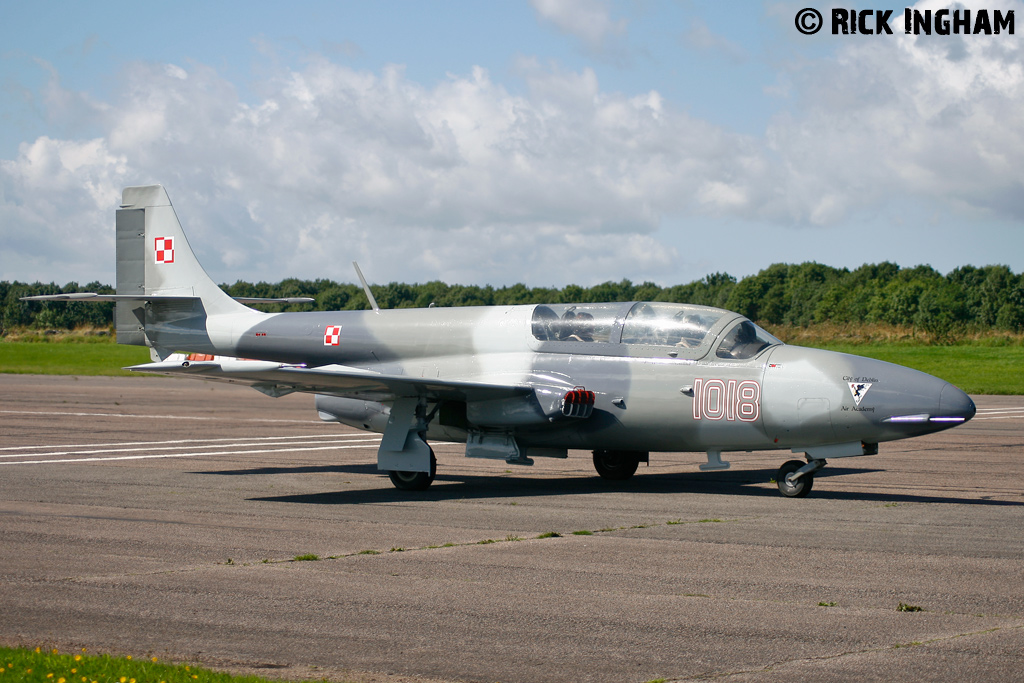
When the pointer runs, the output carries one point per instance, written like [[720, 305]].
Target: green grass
[[69, 357], [975, 369], [49, 666]]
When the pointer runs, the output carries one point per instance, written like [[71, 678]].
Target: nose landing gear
[[795, 479]]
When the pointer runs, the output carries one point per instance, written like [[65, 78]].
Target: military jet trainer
[[623, 380]]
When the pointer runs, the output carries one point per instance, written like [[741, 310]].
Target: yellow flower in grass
[[54, 651], [124, 679], [154, 659], [74, 671], [49, 675], [61, 680], [78, 658]]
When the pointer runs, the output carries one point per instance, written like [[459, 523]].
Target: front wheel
[[616, 465], [415, 481], [797, 488]]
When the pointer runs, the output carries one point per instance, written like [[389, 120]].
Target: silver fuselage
[[649, 397]]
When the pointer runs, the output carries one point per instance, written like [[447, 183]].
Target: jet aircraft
[[623, 380]]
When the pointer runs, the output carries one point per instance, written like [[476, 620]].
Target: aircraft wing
[[278, 379]]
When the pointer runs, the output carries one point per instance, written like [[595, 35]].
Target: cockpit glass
[[745, 340], [575, 322], [665, 324]]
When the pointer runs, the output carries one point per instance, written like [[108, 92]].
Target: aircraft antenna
[[366, 289]]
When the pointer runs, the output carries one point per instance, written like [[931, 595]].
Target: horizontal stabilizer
[[93, 296], [284, 300]]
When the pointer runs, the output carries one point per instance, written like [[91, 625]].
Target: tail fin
[[156, 264]]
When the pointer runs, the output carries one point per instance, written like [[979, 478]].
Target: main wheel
[[415, 481], [616, 465], [793, 489]]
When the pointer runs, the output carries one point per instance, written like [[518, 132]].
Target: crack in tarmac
[[511, 538], [839, 655]]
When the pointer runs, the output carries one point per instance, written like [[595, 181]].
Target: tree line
[[966, 299]]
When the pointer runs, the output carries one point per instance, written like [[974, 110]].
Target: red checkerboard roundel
[[332, 335], [164, 248]]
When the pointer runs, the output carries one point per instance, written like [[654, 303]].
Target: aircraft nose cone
[[955, 405]]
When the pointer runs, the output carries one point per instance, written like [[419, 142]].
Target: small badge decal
[[164, 247], [859, 390], [332, 335]]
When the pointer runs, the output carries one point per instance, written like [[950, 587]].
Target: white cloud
[[934, 118], [588, 20], [417, 183]]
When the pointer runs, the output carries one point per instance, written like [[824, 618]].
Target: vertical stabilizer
[[154, 260]]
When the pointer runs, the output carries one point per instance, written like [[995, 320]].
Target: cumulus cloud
[[932, 118], [461, 181]]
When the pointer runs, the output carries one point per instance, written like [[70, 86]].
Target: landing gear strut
[[415, 481], [617, 465]]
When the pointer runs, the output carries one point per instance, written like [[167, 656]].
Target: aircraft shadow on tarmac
[[458, 487]]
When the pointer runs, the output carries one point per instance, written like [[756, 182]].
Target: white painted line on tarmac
[[155, 417], [158, 443], [999, 413], [1008, 417], [238, 439], [179, 455], [173, 448]]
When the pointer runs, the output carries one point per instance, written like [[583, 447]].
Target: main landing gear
[[415, 481], [795, 479], [617, 465]]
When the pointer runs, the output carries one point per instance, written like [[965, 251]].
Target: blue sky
[[540, 141]]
